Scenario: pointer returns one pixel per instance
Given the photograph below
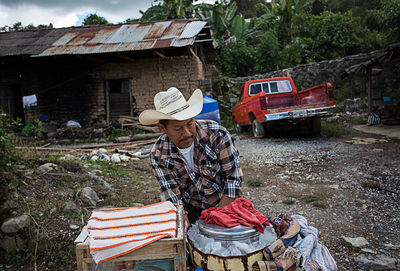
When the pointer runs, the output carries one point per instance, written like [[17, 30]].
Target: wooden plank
[[82, 236]]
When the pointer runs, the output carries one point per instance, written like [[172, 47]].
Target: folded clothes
[[117, 231], [239, 212]]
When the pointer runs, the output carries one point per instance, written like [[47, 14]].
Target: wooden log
[[89, 148], [123, 139]]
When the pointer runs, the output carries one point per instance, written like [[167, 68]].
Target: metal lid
[[235, 233]]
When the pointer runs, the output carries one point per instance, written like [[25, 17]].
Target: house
[[382, 87], [94, 74]]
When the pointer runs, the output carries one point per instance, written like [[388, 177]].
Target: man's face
[[181, 132]]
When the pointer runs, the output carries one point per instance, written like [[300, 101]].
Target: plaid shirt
[[216, 172]]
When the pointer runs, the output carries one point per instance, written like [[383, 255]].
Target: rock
[[376, 262], [105, 158], [368, 250], [73, 227], [70, 207], [102, 150], [124, 158], [15, 224], [94, 158], [43, 169], [88, 195], [68, 157], [357, 242], [115, 158], [332, 119], [391, 246], [8, 205], [10, 243], [100, 180], [84, 156]]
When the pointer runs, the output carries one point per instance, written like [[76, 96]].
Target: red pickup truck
[[264, 103]]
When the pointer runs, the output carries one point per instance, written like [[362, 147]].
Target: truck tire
[[237, 127], [314, 126], [257, 128]]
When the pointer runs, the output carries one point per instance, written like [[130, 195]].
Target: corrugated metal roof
[[101, 38]]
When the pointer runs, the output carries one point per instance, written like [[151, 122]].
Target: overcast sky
[[64, 13]]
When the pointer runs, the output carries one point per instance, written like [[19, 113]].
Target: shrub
[[7, 126], [254, 182]]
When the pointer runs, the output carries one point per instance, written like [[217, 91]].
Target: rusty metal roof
[[101, 38], [390, 54]]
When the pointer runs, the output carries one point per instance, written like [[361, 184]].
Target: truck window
[[254, 89], [274, 87], [280, 87], [265, 87]]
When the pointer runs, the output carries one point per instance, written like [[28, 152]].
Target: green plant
[[7, 126], [370, 185], [316, 199], [254, 182], [333, 129], [288, 201]]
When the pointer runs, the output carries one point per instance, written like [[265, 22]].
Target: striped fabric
[[117, 231]]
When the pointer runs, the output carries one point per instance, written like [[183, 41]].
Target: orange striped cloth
[[117, 231]]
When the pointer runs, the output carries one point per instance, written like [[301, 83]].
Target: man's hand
[[225, 201], [186, 225]]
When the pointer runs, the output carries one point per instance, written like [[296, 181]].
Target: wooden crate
[[166, 248]]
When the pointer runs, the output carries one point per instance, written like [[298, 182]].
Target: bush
[[7, 126]]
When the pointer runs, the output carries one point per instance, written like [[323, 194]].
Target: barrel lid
[[215, 231]]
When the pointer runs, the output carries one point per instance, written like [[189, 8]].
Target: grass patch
[[316, 199], [370, 185], [288, 201], [254, 182], [332, 129], [311, 198], [115, 171], [358, 120]]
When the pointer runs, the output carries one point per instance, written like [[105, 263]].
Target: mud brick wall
[[150, 76]]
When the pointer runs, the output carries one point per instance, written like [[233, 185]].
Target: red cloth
[[239, 212]]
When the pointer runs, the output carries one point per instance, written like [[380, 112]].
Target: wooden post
[[107, 93], [369, 75]]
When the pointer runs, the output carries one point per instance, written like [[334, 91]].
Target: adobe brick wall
[[150, 76]]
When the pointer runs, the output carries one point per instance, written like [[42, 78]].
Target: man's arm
[[166, 180], [225, 201], [230, 168]]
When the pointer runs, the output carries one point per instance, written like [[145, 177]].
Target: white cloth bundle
[[117, 231]]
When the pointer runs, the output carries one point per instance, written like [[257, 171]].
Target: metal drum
[[220, 263]]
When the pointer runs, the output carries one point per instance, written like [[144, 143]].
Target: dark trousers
[[193, 212]]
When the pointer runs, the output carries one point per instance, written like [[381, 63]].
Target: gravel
[[343, 189]]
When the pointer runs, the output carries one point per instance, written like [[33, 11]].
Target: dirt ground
[[343, 187]]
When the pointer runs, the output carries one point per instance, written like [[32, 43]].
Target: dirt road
[[343, 188]]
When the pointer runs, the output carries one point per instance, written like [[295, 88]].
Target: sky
[[65, 13]]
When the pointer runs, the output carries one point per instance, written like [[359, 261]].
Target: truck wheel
[[315, 126], [258, 128], [237, 127]]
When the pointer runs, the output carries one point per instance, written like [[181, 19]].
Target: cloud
[[64, 13]]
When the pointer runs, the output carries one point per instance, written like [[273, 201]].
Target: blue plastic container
[[387, 99], [210, 110]]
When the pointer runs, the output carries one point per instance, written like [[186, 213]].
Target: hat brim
[[195, 102]]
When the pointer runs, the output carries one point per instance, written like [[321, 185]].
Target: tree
[[94, 19]]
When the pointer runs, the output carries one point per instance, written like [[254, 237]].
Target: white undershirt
[[188, 155]]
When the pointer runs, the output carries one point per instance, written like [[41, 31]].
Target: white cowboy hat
[[171, 105]]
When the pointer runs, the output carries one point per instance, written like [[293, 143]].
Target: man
[[195, 162]]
